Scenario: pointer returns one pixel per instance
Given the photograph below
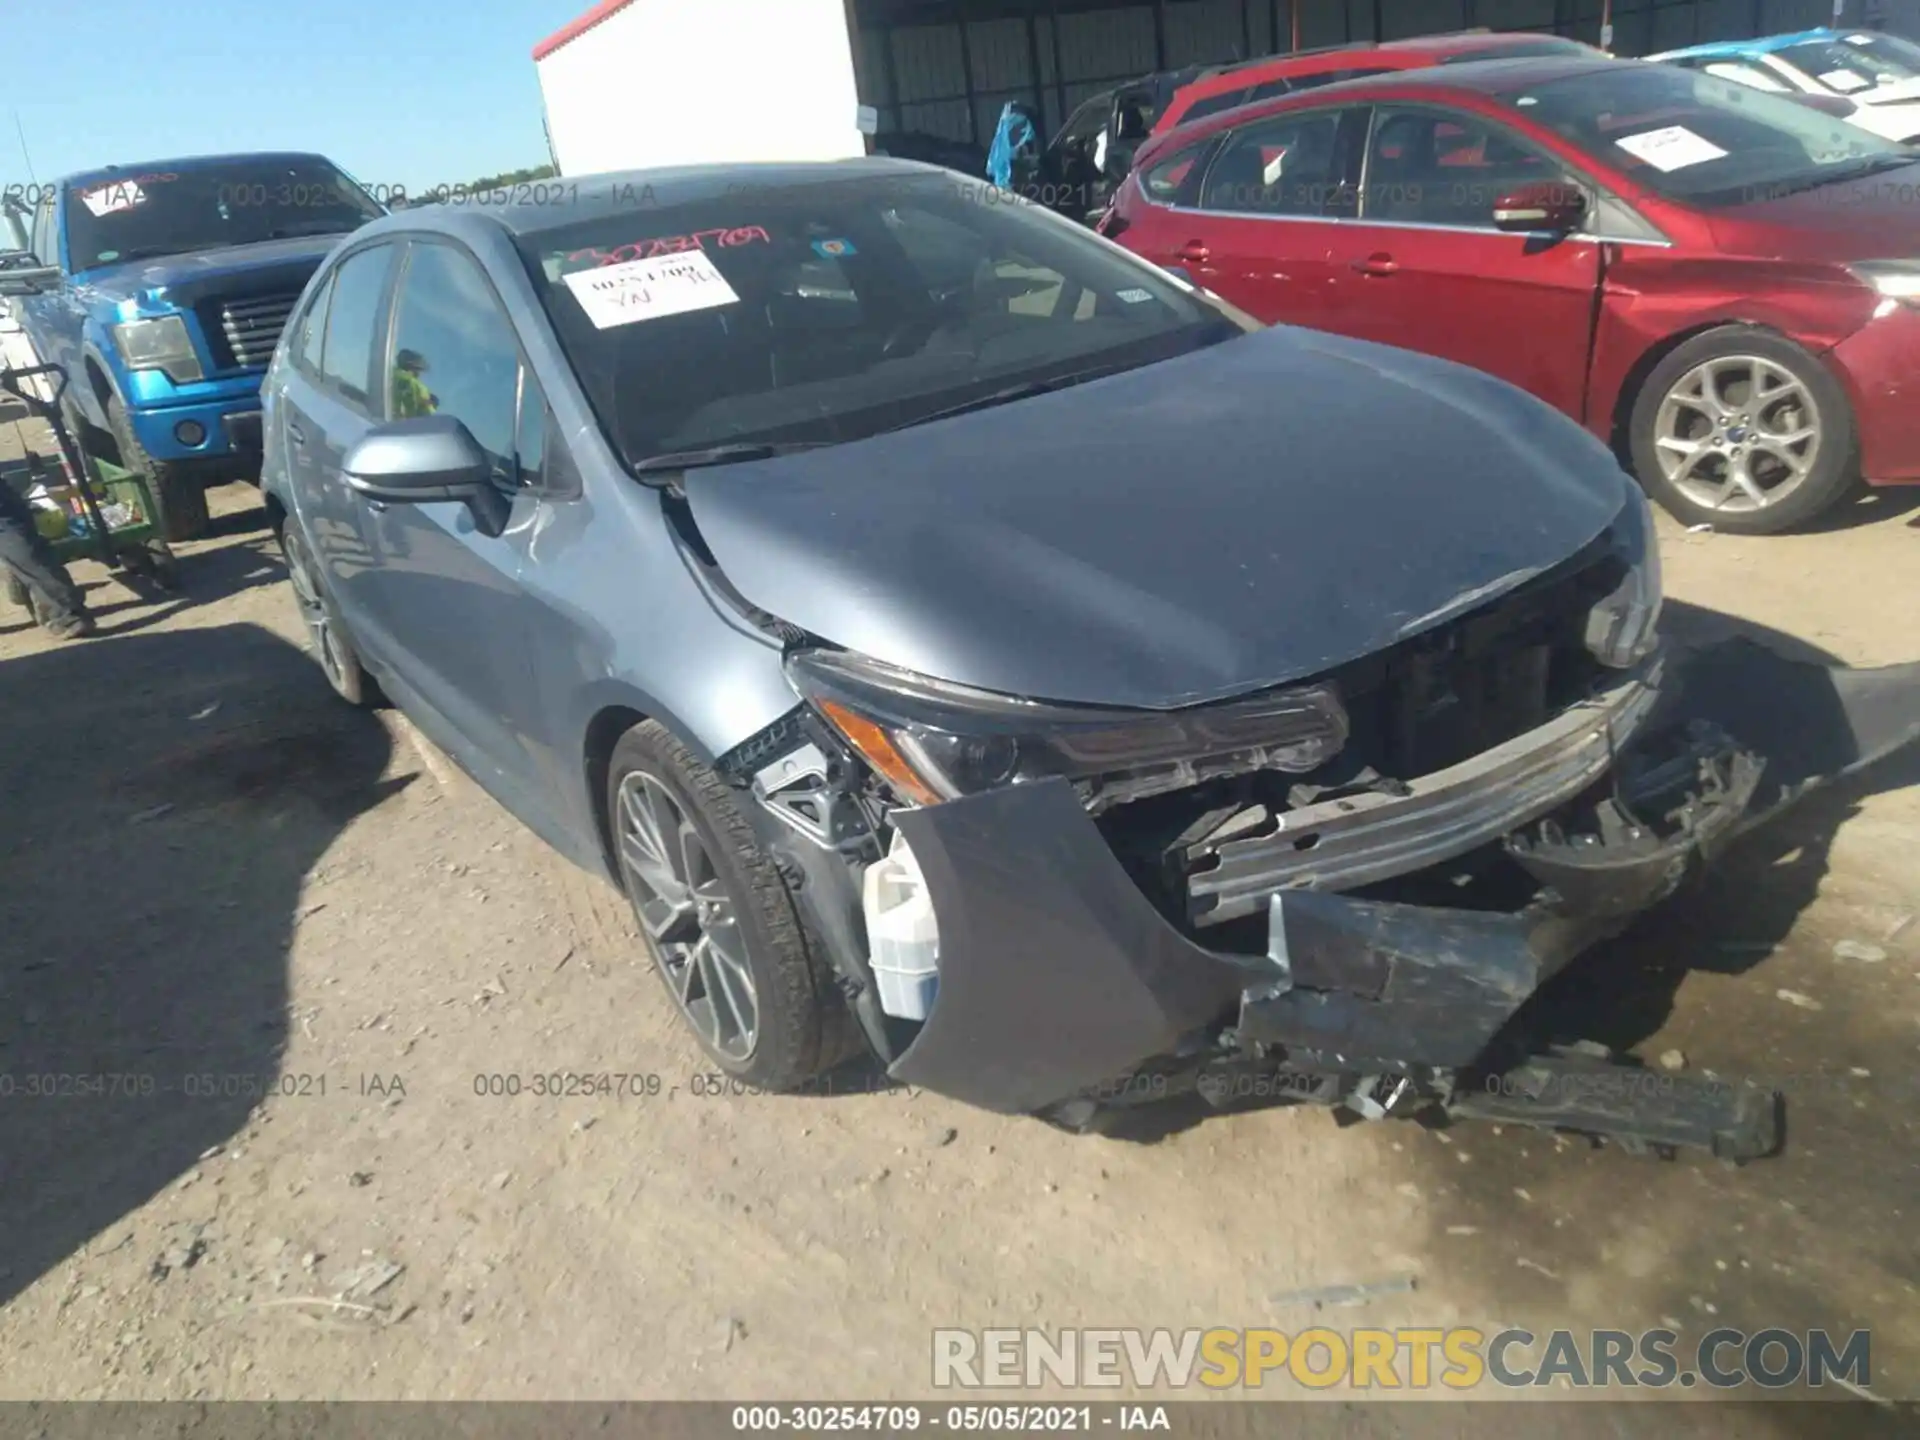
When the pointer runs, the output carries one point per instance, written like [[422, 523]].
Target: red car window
[[1167, 182]]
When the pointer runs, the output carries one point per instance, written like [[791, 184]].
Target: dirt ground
[[297, 945]]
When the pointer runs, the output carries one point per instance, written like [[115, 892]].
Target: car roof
[[1397, 56], [1763, 45], [107, 174], [1473, 78], [555, 204]]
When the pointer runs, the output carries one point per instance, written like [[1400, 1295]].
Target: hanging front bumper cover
[[1061, 984]]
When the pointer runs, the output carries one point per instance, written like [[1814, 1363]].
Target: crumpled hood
[[183, 280], [1254, 513]]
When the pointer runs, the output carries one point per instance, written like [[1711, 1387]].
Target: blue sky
[[408, 92]]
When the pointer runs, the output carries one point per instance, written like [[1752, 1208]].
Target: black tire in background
[[177, 490], [1831, 471], [802, 1024]]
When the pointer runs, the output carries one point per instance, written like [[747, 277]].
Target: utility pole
[[21, 130]]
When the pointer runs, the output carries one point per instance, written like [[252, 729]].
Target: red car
[[1723, 284], [1278, 75]]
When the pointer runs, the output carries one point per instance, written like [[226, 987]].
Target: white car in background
[[1878, 73]]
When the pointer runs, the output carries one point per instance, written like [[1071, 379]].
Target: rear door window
[[1432, 167], [1283, 165], [359, 295]]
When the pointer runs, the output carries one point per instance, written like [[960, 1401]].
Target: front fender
[[96, 356]]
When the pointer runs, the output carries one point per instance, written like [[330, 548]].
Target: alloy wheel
[[1737, 433], [689, 919], [314, 613]]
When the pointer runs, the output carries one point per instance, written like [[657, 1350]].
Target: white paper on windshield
[[1673, 148], [1844, 79], [638, 290], [121, 195], [1273, 170]]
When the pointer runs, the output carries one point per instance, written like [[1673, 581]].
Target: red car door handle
[[1195, 252], [1378, 263]]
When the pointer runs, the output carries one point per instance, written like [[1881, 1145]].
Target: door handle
[[1194, 252], [295, 434], [1378, 263]]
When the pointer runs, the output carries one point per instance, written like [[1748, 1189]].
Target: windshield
[[834, 310], [146, 213], [1701, 139], [1854, 63]]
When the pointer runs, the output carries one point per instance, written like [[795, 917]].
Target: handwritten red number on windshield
[[672, 245]]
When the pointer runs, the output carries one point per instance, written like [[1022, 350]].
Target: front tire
[[724, 932], [1741, 429], [179, 494], [327, 636]]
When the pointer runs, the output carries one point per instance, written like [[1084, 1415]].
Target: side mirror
[[426, 460], [28, 279], [1544, 205]]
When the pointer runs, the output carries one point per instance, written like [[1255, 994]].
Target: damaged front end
[[1341, 891]]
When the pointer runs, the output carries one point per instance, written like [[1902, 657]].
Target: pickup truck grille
[[244, 332]]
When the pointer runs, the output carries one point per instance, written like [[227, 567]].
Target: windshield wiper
[[1858, 170], [158, 252], [731, 454], [1025, 390]]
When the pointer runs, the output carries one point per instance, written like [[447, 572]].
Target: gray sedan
[[964, 641]]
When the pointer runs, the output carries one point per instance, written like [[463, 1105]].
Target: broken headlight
[[1623, 629], [933, 741]]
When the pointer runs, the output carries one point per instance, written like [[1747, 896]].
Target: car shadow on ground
[[165, 796], [1868, 505]]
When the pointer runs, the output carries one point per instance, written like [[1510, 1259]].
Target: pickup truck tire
[[178, 493], [1741, 429]]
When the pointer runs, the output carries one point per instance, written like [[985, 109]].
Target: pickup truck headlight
[[1624, 628], [934, 741], [1891, 279], [162, 345]]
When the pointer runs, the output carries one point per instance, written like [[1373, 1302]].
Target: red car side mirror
[[1543, 205]]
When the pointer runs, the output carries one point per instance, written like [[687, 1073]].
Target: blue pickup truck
[[163, 288]]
